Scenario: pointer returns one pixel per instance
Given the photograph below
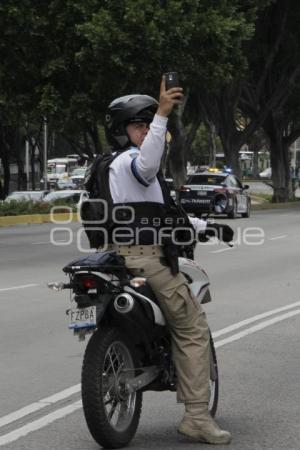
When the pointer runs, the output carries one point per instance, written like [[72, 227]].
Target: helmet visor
[[143, 116]]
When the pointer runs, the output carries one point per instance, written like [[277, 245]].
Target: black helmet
[[124, 110]]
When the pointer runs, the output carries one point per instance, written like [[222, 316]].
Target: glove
[[222, 232]]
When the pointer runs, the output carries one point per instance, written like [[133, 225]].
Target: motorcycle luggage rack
[[98, 262]]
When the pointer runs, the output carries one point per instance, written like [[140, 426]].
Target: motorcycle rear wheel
[[111, 412], [213, 380]]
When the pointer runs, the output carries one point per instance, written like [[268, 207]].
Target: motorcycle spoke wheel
[[119, 405], [111, 411]]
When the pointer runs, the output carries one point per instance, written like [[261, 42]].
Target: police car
[[202, 189]]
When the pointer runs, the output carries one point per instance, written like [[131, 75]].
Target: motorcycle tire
[[214, 380], [112, 414]]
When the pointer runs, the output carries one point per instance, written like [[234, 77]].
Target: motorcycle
[[129, 351]]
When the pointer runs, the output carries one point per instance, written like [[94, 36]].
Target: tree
[[128, 45], [91, 52], [21, 40], [219, 102], [266, 93], [272, 86]]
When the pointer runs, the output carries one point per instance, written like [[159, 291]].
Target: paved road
[[256, 283]]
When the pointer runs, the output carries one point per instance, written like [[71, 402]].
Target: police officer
[[136, 125]]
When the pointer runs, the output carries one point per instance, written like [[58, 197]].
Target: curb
[[65, 218], [275, 205], [60, 218]]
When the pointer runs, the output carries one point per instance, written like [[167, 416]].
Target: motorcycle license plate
[[82, 317]]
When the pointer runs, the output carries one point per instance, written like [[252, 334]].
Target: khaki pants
[[188, 326]]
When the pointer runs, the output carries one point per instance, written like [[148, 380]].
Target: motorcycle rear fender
[[198, 279], [103, 276]]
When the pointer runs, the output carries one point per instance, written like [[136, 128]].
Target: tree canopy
[[67, 60], [73, 57]]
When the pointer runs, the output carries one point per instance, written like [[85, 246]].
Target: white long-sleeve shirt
[[132, 175]]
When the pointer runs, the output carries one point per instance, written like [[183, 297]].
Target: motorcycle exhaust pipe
[[124, 303]]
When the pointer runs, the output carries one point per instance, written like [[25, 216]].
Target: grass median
[[28, 212]]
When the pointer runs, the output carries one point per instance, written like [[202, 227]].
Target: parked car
[[202, 189], [77, 176], [72, 197], [23, 196], [267, 173]]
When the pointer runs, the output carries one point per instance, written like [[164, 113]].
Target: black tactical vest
[[138, 223]]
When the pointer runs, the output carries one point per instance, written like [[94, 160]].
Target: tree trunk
[[94, 135], [255, 169], [212, 142], [6, 175], [231, 152], [280, 170], [20, 161], [21, 176], [176, 156], [1, 190], [279, 153], [1, 181], [32, 165], [220, 109], [4, 155]]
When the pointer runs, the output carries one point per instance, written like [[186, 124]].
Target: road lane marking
[[39, 423], [5, 420], [23, 286], [278, 237], [255, 328], [253, 319], [222, 250], [48, 242], [63, 412]]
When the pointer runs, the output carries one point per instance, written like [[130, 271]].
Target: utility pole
[[45, 156], [27, 163]]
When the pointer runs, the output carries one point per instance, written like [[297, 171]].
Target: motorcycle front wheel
[[112, 413], [213, 380]]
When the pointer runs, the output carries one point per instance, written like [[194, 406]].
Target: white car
[[267, 173], [26, 196], [75, 197]]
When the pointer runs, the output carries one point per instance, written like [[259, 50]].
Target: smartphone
[[171, 80]]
